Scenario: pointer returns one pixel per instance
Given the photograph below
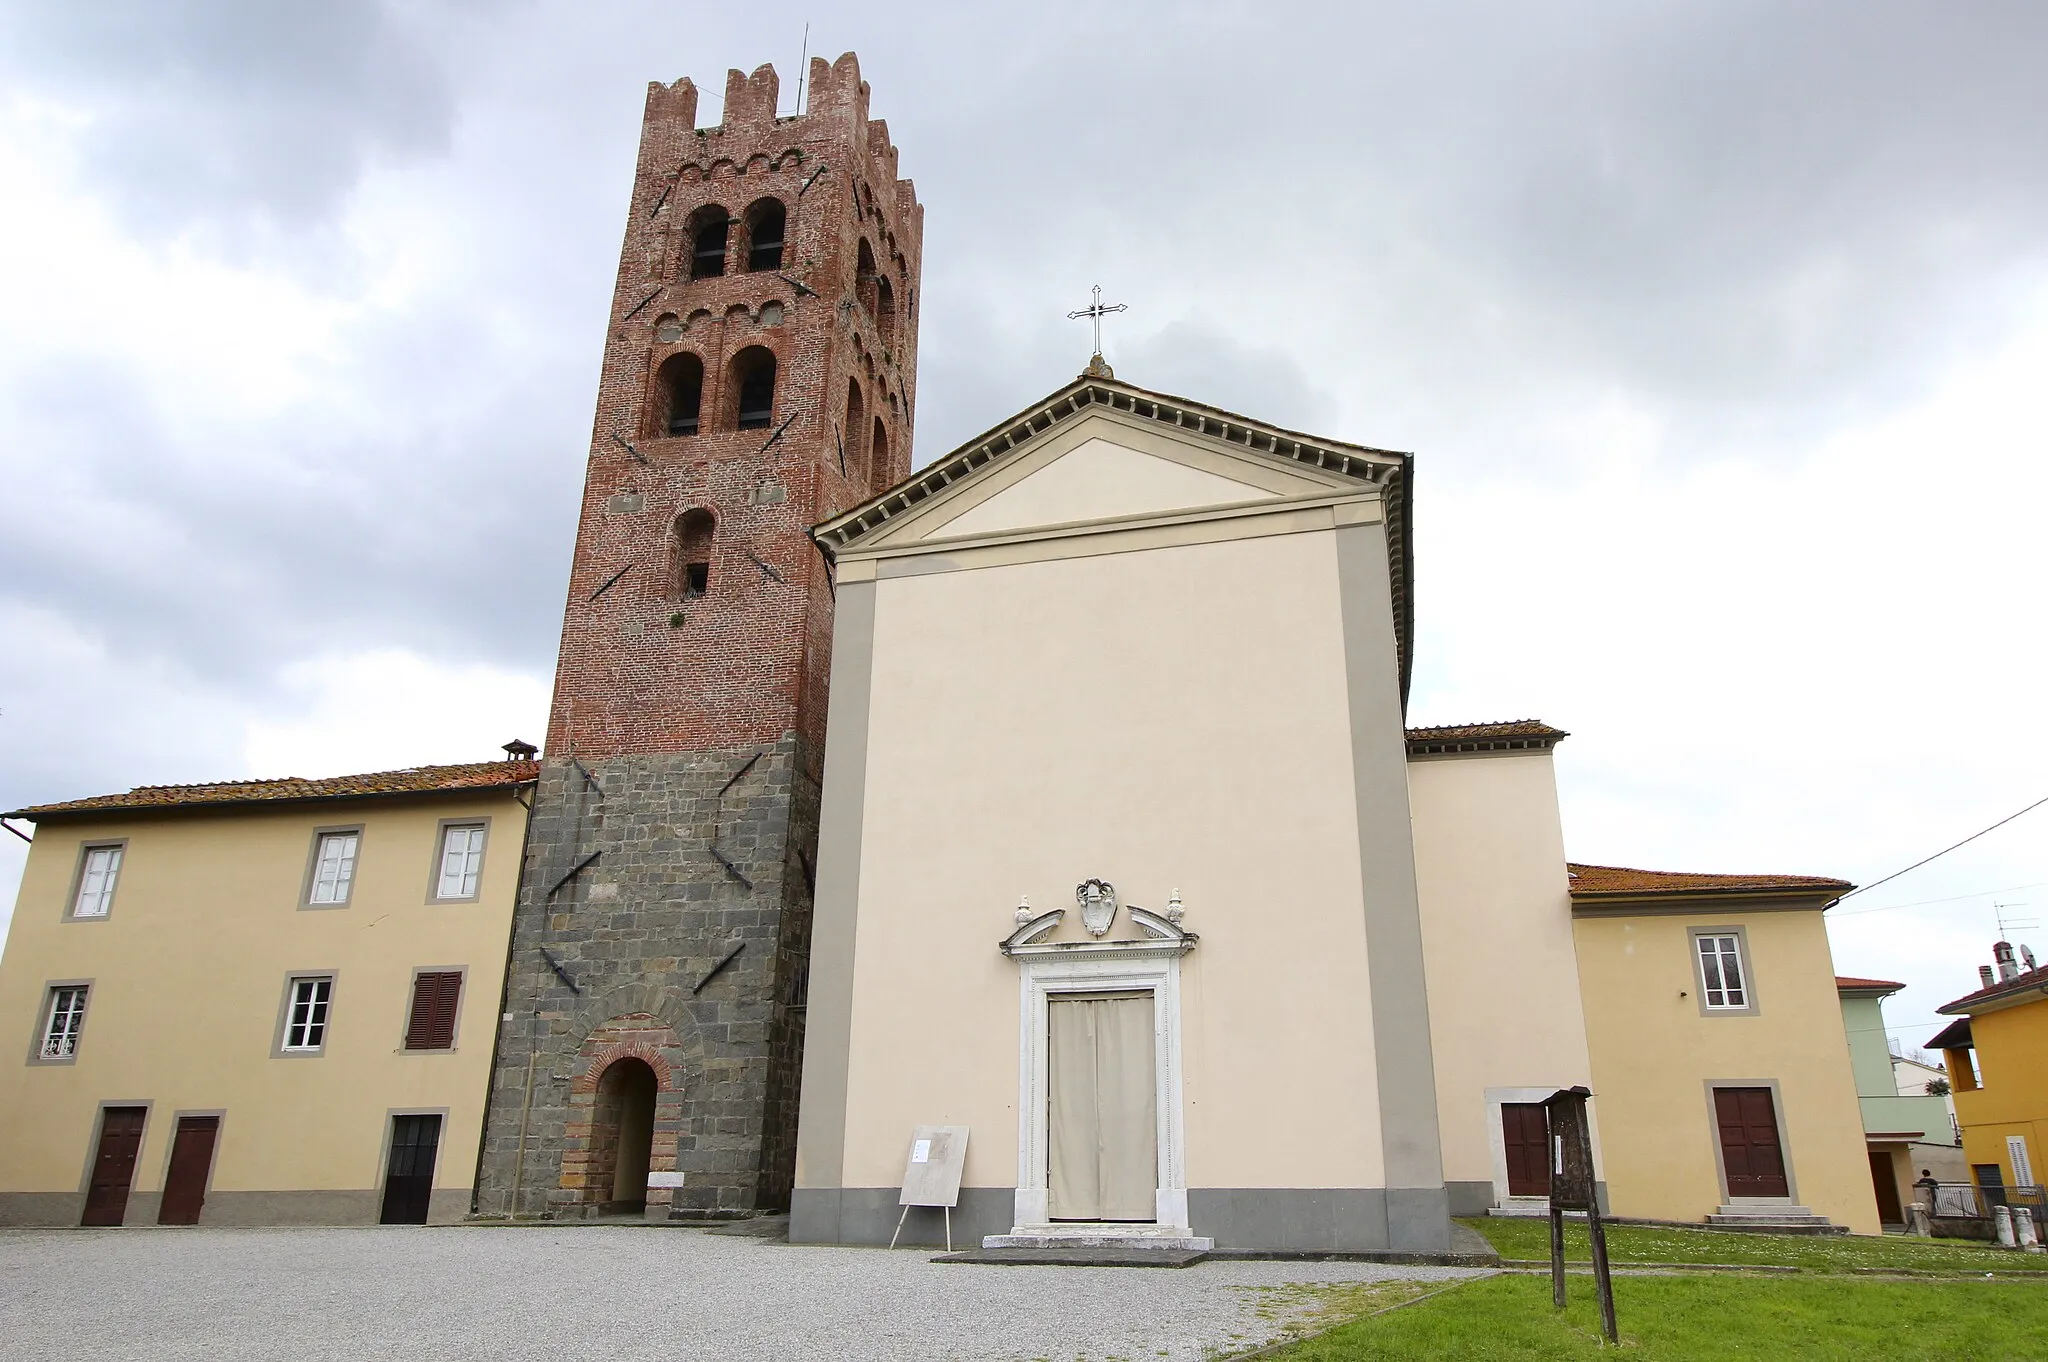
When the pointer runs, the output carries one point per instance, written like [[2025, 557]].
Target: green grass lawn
[[1515, 1237], [1706, 1316]]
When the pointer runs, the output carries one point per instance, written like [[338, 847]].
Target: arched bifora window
[[856, 427], [753, 372], [680, 395], [694, 533], [878, 467], [708, 231], [764, 235]]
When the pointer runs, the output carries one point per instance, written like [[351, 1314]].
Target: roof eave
[[60, 814], [1620, 900]]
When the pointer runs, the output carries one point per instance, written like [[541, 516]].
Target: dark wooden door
[[1526, 1131], [409, 1181], [191, 1161], [113, 1165], [1885, 1182], [1750, 1153]]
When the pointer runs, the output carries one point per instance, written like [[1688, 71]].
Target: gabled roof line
[[1377, 466]]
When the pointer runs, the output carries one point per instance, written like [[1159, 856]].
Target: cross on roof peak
[[1095, 312]]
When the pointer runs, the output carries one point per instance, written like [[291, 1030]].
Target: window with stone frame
[[97, 873], [306, 1009], [63, 1021]]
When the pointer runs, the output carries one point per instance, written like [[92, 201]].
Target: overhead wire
[[1957, 898], [1941, 853]]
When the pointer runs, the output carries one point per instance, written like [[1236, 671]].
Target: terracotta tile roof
[[476, 775], [1513, 735], [1845, 983], [2024, 981], [1614, 881]]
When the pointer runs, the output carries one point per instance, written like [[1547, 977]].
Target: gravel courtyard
[[608, 1293]]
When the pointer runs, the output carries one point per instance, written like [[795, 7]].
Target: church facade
[[1129, 866]]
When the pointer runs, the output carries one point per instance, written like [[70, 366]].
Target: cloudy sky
[[1716, 328]]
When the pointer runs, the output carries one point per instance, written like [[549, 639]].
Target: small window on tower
[[707, 243], [878, 468], [754, 368], [764, 235], [694, 533], [681, 388]]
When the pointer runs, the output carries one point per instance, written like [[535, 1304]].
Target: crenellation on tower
[[758, 377]]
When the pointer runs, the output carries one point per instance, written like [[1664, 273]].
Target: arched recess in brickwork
[[695, 531], [707, 233], [878, 466], [753, 381], [625, 1108], [885, 310], [678, 395], [865, 278], [856, 427], [765, 221]]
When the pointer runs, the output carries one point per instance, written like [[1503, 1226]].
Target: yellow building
[[261, 1002], [1997, 1058], [1721, 1064]]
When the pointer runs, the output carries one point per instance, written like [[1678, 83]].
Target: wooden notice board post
[[1572, 1189], [931, 1175]]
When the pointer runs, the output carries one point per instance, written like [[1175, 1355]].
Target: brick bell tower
[[759, 376]]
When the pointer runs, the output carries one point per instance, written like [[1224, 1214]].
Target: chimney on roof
[[1984, 973], [520, 750], [2008, 963]]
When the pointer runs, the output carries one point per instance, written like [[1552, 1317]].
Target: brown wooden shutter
[[434, 996]]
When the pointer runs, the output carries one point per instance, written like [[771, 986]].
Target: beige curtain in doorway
[[1101, 1121]]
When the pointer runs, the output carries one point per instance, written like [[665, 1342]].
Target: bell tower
[[759, 376]]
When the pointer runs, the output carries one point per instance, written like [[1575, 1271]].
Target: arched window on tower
[[885, 310], [695, 530], [708, 232], [764, 235], [878, 466], [865, 278], [680, 385], [753, 371], [856, 427]]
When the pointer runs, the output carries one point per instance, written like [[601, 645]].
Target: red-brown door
[[1526, 1132], [1750, 1153], [1884, 1180], [191, 1161], [113, 1166]]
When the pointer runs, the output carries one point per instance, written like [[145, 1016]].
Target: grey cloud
[[237, 113], [1756, 216]]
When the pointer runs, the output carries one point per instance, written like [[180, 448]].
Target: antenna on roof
[[802, 65], [2007, 923]]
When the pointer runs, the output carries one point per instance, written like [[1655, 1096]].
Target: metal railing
[[1972, 1201]]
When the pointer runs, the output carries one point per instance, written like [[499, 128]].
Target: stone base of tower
[[654, 999]]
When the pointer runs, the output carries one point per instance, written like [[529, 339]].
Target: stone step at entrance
[[1076, 1256], [1773, 1219], [1101, 1236]]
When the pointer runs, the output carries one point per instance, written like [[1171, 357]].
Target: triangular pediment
[[1103, 476], [1103, 451], [1100, 454]]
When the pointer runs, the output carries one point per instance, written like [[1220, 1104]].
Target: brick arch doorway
[[629, 1077], [622, 1136]]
